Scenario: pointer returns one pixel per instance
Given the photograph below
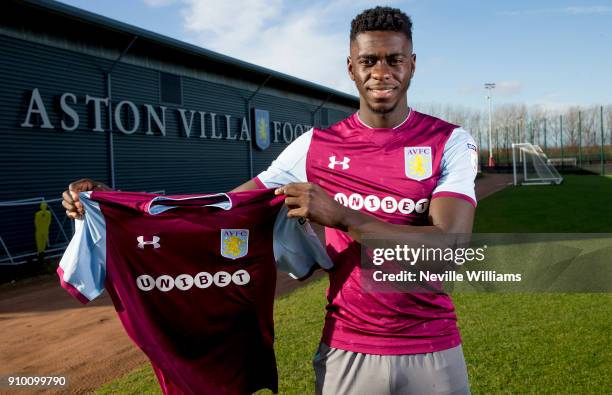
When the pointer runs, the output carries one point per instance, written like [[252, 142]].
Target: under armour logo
[[142, 243], [344, 162]]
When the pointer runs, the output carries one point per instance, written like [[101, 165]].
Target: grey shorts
[[340, 372]]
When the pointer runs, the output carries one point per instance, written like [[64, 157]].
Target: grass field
[[513, 343], [579, 204]]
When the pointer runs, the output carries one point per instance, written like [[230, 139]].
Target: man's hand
[[310, 201], [74, 208]]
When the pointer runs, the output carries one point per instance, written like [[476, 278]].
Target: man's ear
[[413, 64], [349, 66]]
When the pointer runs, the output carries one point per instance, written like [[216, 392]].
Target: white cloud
[[502, 89], [509, 88], [588, 10], [233, 22], [158, 3], [471, 89], [309, 43], [570, 10], [553, 103]]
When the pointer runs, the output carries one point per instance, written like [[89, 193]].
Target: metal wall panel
[[37, 162], [335, 116]]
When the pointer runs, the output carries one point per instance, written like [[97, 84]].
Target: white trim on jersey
[[457, 168], [395, 127], [154, 208], [290, 165]]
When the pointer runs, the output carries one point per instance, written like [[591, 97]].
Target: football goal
[[530, 166]]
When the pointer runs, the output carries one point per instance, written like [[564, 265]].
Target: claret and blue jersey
[[192, 278], [392, 174]]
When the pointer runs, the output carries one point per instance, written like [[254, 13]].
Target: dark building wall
[[37, 162]]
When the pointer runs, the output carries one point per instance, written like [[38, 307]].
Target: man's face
[[381, 63]]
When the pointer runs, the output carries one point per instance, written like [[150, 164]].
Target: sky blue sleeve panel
[[459, 166], [290, 165], [83, 265], [297, 249]]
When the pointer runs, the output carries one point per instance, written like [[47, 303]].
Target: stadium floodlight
[[489, 86], [530, 166]]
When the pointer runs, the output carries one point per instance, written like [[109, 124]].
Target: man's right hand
[[74, 208]]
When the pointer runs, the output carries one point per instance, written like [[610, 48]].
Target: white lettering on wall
[[160, 123], [127, 117], [37, 106], [299, 130], [244, 130], [228, 134], [213, 129], [69, 111], [287, 132], [186, 124], [134, 110], [202, 124], [277, 130], [97, 110]]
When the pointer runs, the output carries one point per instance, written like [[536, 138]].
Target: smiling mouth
[[380, 93]]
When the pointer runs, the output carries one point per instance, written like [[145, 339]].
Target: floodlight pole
[[489, 86], [514, 165], [601, 152]]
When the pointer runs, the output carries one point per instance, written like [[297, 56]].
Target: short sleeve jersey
[[392, 174], [192, 278]]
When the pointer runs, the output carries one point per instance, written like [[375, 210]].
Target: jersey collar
[[395, 127], [381, 136]]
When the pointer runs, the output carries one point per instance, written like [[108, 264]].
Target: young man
[[384, 170]]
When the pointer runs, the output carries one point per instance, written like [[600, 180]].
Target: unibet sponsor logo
[[387, 204], [185, 282]]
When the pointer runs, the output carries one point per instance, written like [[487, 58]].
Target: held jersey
[[192, 278], [391, 174]]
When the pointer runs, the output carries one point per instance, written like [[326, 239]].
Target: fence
[[571, 142], [17, 242]]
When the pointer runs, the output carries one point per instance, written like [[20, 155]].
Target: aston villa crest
[[234, 243], [261, 128], [417, 162]]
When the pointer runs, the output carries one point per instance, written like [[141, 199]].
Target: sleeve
[[459, 168], [82, 269], [297, 249], [290, 166]]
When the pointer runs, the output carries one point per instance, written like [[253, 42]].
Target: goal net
[[530, 166]]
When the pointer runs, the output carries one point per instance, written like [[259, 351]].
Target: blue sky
[[550, 53]]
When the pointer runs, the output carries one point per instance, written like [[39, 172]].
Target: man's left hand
[[310, 201]]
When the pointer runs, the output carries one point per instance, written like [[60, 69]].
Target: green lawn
[[579, 204], [513, 343]]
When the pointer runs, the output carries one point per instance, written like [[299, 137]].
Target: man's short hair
[[381, 19]]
